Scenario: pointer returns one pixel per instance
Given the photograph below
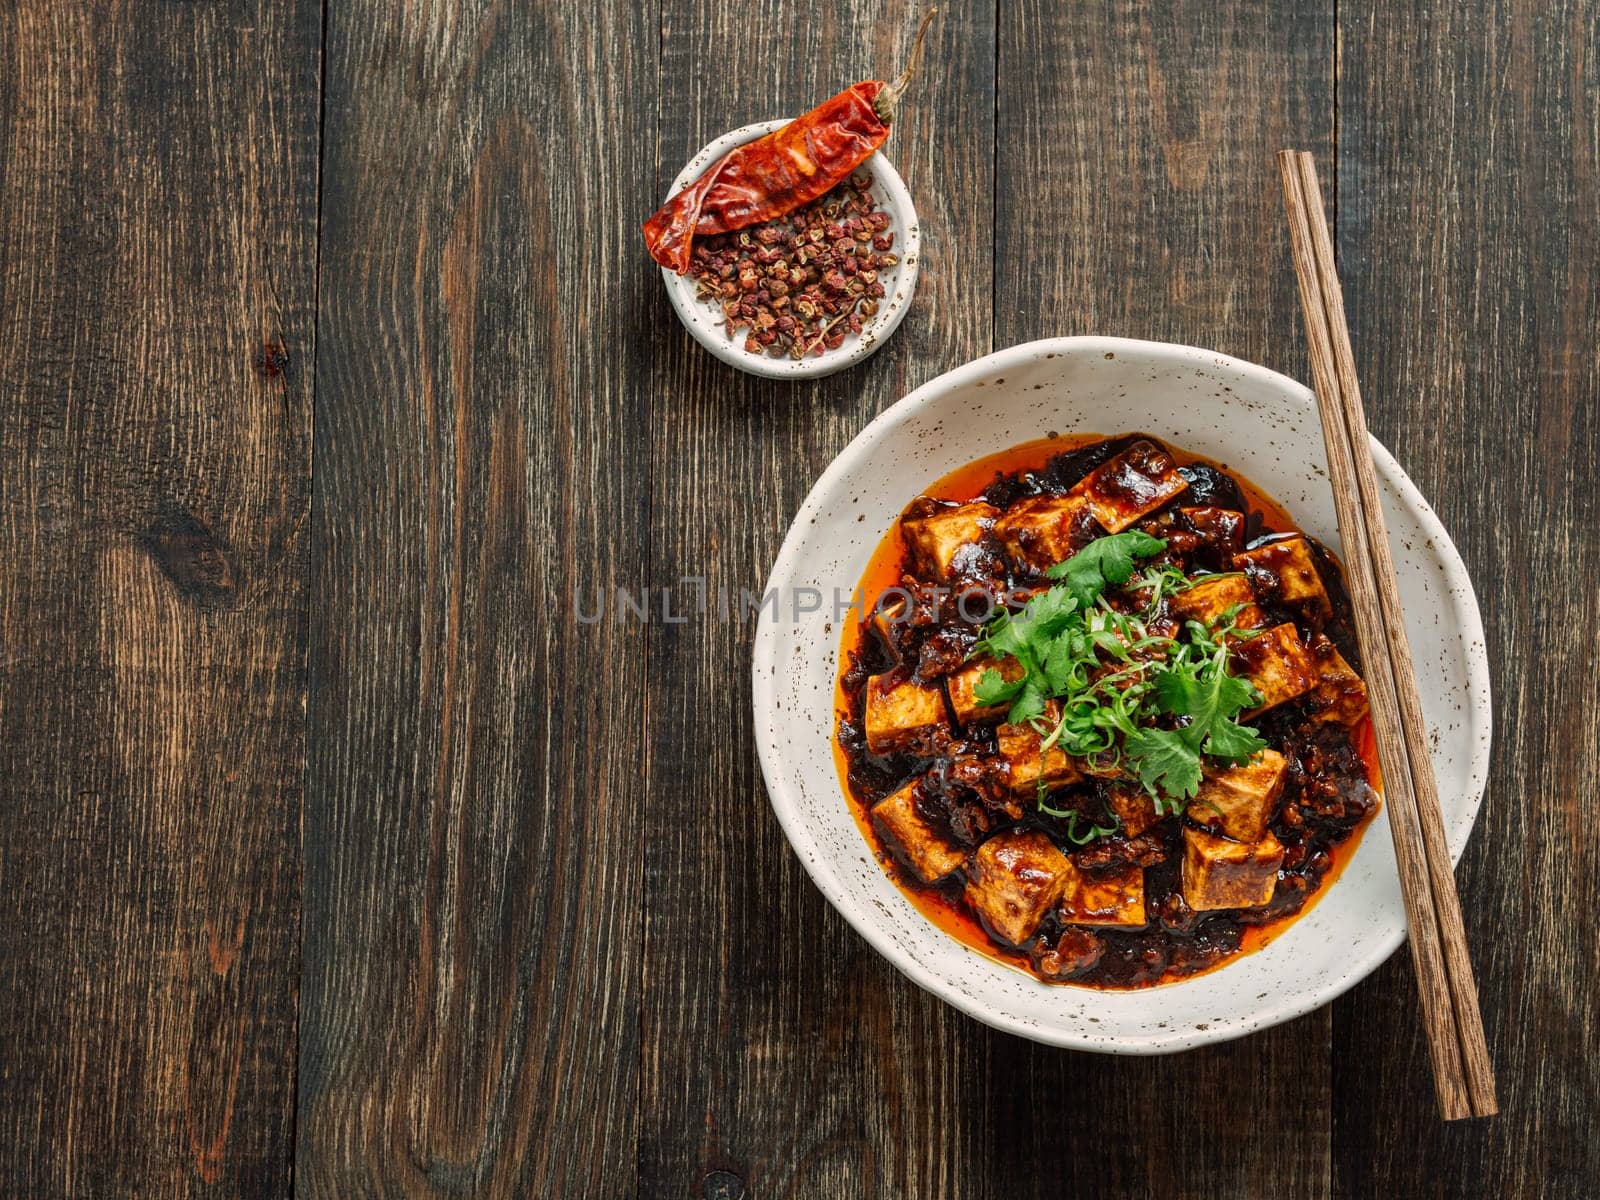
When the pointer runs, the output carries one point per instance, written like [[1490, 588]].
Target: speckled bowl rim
[[765, 664], [699, 318]]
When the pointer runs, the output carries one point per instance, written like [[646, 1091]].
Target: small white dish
[[704, 319], [1250, 419]]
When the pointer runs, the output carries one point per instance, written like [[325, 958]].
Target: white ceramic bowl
[[1244, 416], [704, 318]]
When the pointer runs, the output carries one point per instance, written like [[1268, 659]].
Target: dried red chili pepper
[[779, 172]]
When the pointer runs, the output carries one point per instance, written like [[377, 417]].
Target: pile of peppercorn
[[798, 284]]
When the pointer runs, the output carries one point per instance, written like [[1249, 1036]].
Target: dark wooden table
[[340, 860]]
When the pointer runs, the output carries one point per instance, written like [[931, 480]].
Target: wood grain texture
[[157, 230], [554, 942], [1137, 194], [780, 1056], [1469, 144], [476, 787]]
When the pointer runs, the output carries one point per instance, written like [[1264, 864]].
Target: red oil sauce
[[883, 571]]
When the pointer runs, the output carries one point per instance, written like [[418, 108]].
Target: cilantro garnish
[[1151, 704], [1210, 697], [1104, 561], [1166, 764]]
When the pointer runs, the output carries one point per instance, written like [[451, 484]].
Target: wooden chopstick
[[1410, 856], [1463, 1074]]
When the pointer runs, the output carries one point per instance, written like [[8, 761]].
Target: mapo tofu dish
[[1104, 718]]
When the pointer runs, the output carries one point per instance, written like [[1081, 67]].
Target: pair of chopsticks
[[1462, 1073]]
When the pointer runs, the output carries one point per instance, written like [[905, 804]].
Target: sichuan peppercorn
[[791, 292]]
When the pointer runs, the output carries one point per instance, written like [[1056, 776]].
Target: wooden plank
[[780, 1056], [1469, 144], [473, 829], [1137, 195], [157, 239]]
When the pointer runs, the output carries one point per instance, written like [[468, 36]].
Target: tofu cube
[[1109, 897], [1015, 879], [1241, 801], [901, 713], [1040, 531], [1277, 664], [1340, 694], [1019, 747], [1218, 873], [939, 540], [1133, 484], [962, 687], [1212, 595], [1131, 805], [928, 852], [1285, 573]]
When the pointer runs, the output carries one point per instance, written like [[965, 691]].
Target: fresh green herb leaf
[[1104, 561], [1001, 638], [1026, 635], [1067, 662], [1201, 690], [1152, 705], [1028, 703], [1234, 742], [1177, 689], [1164, 761], [993, 688]]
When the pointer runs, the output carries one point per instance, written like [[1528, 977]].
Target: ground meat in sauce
[[1325, 795]]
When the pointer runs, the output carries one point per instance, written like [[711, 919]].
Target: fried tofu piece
[[1277, 664], [1040, 531], [1209, 597], [1285, 572], [1133, 484], [1015, 879], [962, 687], [939, 539], [1240, 801], [1133, 806], [1340, 694], [1109, 897], [900, 714], [1019, 746], [1218, 873], [929, 853]]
